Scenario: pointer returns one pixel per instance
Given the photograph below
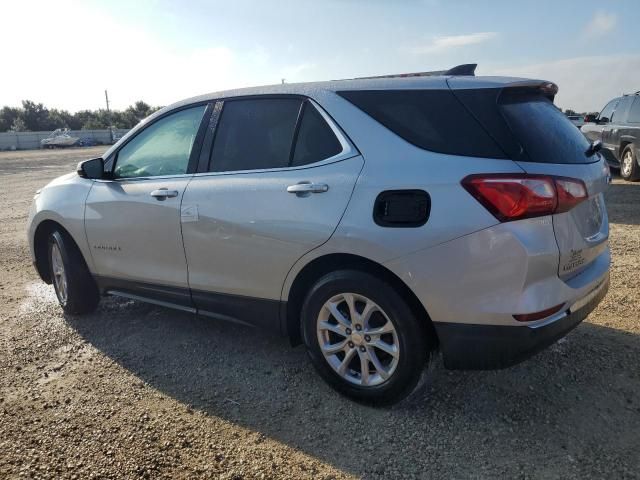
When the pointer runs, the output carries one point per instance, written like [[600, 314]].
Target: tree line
[[34, 117]]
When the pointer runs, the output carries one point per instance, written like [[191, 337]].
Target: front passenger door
[[132, 222]]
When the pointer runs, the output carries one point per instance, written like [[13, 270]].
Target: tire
[[629, 169], [75, 287], [403, 364]]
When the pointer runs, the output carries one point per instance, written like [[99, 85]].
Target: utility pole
[[106, 97]]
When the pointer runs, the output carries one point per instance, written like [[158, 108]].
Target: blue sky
[[65, 53]]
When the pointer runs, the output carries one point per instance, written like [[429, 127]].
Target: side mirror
[[93, 168]]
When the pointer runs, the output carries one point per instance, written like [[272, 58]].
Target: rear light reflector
[[530, 317], [516, 196]]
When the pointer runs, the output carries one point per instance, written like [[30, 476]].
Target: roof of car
[[311, 89]]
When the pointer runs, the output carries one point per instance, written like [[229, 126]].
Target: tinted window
[[545, 133], [634, 112], [431, 119], [255, 134], [163, 148], [621, 113], [316, 141], [607, 111]]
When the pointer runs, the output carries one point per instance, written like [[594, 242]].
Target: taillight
[[570, 193], [516, 196]]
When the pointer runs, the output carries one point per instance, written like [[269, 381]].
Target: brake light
[[517, 196]]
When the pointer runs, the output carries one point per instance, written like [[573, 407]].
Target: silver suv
[[375, 220]]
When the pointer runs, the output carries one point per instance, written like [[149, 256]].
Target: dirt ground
[[140, 391]]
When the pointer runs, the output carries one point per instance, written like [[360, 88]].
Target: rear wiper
[[595, 146]]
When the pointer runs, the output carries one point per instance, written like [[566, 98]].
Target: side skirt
[[255, 312]]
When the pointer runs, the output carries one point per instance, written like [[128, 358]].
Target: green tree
[[19, 125], [35, 115], [8, 115]]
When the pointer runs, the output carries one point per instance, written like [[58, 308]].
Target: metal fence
[[31, 140]]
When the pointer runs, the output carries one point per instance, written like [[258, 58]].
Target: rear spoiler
[[467, 70], [543, 87]]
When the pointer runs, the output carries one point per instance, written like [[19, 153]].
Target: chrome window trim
[[328, 161]]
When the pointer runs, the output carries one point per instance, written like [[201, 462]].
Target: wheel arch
[[324, 264], [40, 246], [625, 141]]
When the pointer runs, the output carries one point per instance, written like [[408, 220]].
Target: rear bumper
[[484, 347]]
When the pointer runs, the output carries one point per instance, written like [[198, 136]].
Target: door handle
[[163, 194], [305, 188]]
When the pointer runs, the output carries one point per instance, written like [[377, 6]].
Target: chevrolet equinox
[[375, 220]]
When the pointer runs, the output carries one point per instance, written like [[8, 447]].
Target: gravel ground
[[141, 391]]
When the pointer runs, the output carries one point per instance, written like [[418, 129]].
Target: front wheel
[[629, 169], [74, 285], [363, 338]]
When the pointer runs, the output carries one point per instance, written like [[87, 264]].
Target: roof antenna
[[468, 69]]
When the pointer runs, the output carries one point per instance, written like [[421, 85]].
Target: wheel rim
[[358, 340], [59, 275], [627, 163]]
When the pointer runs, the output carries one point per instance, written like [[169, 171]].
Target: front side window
[[621, 112], [607, 111], [163, 148], [255, 134], [634, 113]]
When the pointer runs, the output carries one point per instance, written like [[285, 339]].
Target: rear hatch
[[523, 120]]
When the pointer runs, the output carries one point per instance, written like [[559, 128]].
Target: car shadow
[[579, 394]]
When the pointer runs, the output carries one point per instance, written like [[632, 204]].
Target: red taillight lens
[[570, 193], [516, 196]]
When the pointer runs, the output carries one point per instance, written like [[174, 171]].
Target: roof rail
[[468, 69]]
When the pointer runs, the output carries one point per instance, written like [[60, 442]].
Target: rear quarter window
[[430, 119], [546, 134]]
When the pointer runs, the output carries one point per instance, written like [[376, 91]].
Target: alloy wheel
[[59, 274], [358, 339], [627, 164]]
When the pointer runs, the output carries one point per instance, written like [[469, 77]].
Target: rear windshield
[[545, 133], [434, 120]]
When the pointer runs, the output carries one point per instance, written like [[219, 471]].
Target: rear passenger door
[[279, 178]]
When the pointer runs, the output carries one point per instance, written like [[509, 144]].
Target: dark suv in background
[[618, 127]]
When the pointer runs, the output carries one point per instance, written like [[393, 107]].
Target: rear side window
[[544, 132], [316, 141], [430, 119], [255, 134]]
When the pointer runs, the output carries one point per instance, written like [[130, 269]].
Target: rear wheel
[[363, 338], [629, 169], [74, 285]]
